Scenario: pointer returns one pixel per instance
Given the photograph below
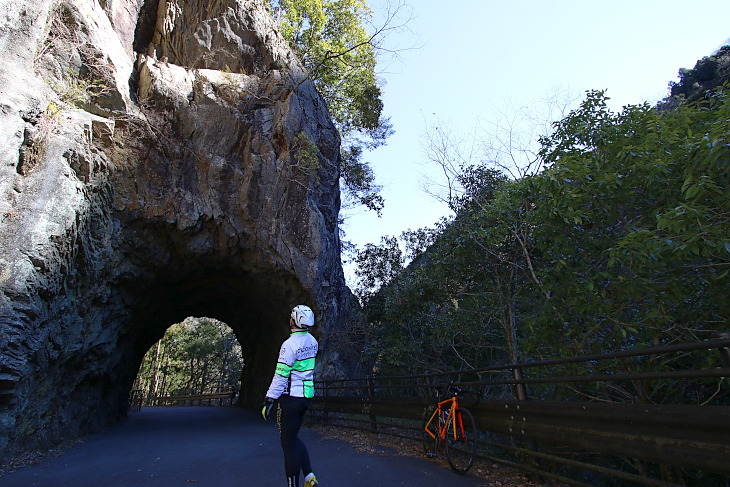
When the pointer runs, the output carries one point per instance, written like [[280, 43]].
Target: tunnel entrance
[[197, 357], [252, 304], [192, 202]]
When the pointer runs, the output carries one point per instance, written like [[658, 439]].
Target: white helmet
[[303, 316]]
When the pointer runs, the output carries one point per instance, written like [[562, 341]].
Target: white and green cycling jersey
[[295, 368]]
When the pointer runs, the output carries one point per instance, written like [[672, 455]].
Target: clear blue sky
[[478, 56]]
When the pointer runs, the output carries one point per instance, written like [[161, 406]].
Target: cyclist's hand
[[266, 410]]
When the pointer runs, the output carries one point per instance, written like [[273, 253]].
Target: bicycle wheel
[[430, 444], [460, 450]]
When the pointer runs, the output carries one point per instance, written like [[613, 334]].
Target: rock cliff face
[[158, 159]]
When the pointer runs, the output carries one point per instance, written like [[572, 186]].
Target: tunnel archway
[[185, 198], [95, 332], [170, 280], [255, 306], [202, 226]]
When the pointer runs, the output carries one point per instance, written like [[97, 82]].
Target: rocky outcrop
[[708, 75], [158, 159]]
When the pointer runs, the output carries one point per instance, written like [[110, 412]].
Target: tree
[[432, 314], [508, 143], [332, 40], [491, 250], [377, 265], [633, 219], [621, 241], [197, 356]]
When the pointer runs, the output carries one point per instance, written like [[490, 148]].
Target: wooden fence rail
[[686, 436], [137, 399], [694, 438]]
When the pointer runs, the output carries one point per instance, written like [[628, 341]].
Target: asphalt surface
[[219, 447]]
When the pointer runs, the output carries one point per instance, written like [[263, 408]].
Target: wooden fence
[[138, 399], [575, 442]]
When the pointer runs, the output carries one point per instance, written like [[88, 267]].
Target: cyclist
[[293, 386]]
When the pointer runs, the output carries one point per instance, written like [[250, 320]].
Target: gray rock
[[152, 168]]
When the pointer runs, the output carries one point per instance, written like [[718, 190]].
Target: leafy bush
[[621, 242]]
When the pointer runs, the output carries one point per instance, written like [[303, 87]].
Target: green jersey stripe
[[304, 365], [283, 370]]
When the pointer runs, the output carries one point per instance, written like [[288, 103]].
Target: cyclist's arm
[[280, 381]]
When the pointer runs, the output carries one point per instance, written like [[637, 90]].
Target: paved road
[[218, 447]]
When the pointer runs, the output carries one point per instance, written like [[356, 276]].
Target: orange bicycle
[[447, 423]]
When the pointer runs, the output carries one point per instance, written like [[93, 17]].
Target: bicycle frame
[[460, 450], [443, 426]]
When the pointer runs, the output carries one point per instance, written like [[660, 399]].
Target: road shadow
[[217, 447]]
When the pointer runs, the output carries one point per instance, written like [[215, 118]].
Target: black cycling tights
[[289, 418]]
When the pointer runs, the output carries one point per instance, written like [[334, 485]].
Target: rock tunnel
[[254, 302], [178, 191]]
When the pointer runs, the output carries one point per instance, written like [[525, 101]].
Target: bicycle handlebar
[[452, 388], [458, 391]]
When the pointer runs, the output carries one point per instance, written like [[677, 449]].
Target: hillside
[[621, 241]]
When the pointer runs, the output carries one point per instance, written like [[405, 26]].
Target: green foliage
[[426, 317], [633, 222], [622, 241], [700, 224], [331, 40], [306, 154], [377, 265], [359, 178], [197, 356]]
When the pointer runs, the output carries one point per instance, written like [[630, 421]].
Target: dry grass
[[378, 444]]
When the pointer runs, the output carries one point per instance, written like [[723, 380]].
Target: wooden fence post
[[326, 417], [520, 389], [371, 394], [522, 396], [725, 354]]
